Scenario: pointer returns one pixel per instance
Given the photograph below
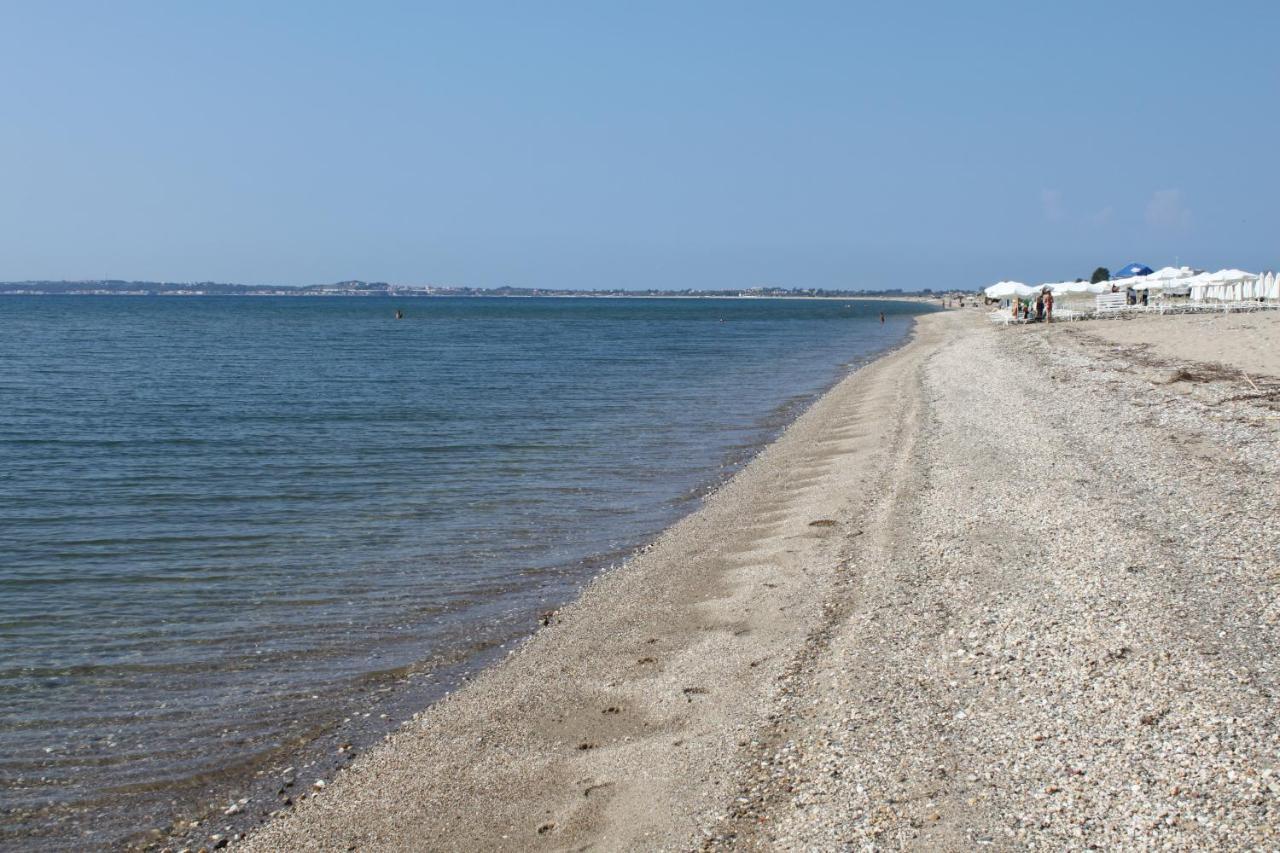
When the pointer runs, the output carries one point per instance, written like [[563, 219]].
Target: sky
[[609, 144]]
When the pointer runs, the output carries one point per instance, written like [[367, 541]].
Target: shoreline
[[406, 693], [891, 629], [634, 716], [903, 297]]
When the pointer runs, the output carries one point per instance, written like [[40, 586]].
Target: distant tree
[[1100, 274]]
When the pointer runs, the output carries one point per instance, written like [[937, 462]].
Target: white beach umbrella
[[1163, 278], [1083, 287], [1198, 286], [1007, 289], [1231, 276], [1171, 273], [1231, 283], [1273, 286], [1075, 287], [1131, 281]]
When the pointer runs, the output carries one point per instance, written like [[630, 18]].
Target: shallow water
[[218, 514]]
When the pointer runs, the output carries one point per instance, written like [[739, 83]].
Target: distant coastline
[[116, 287]]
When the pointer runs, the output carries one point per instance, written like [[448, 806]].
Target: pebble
[[1061, 589]]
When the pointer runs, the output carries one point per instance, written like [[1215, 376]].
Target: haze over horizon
[[576, 146]]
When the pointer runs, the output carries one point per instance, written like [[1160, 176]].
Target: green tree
[[1100, 274]]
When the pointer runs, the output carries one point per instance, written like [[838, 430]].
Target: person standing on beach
[[1048, 306], [1040, 306]]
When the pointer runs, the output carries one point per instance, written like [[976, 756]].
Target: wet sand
[[1002, 586]]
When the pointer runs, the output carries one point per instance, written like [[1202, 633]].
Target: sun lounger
[[1111, 303]]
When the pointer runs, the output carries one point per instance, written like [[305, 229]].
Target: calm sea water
[[223, 518]]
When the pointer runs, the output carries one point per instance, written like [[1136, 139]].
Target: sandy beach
[[1017, 587]]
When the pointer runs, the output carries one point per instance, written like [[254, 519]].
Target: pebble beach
[[1015, 587]]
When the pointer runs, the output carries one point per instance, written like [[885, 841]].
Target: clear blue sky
[[690, 144]]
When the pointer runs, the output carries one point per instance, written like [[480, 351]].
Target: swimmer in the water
[[399, 314], [881, 316]]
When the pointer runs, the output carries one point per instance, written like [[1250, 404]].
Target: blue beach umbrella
[[1132, 270]]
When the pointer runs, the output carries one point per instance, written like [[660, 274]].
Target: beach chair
[[1110, 304]]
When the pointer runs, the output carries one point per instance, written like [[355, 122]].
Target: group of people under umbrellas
[[1039, 311]]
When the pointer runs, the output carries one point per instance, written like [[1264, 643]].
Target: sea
[[235, 531]]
